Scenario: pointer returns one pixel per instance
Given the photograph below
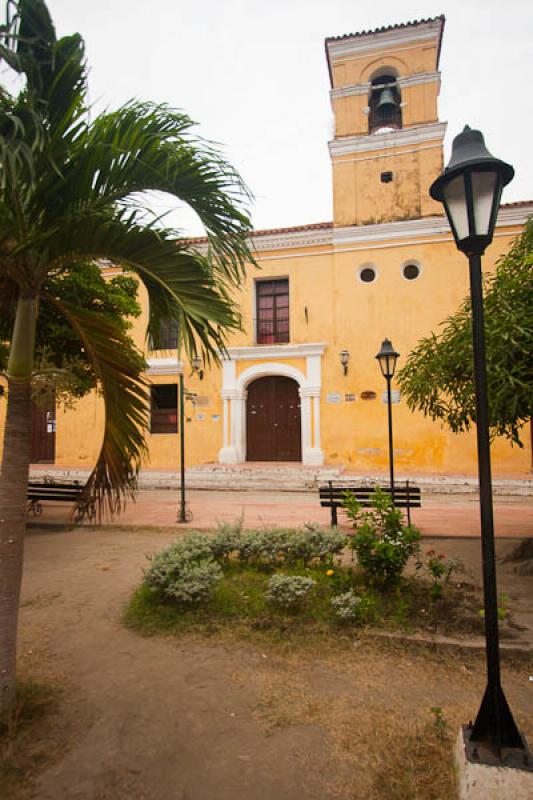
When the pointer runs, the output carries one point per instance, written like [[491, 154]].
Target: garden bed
[[303, 582]]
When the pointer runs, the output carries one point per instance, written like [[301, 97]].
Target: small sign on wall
[[333, 397], [394, 397], [349, 398]]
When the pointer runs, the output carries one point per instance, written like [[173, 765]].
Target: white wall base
[[483, 782], [313, 456], [228, 455]]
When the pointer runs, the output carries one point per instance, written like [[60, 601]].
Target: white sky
[[254, 75]]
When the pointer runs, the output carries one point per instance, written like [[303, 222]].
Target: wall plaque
[[349, 398], [333, 397], [368, 395], [394, 397]]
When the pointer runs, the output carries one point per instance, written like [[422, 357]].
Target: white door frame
[[234, 392]]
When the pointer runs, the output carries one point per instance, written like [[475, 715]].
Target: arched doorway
[[273, 420]]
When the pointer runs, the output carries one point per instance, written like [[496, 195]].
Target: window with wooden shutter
[[272, 315]]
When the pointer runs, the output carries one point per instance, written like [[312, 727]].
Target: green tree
[[73, 189], [437, 378], [62, 367]]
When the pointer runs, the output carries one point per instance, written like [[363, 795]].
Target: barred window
[[164, 408], [167, 337]]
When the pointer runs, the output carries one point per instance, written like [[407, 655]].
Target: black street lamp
[[184, 515], [387, 358], [182, 512], [470, 189]]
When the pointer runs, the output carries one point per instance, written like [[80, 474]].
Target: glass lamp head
[[470, 189]]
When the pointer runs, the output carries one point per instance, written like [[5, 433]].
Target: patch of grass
[[419, 765], [238, 604], [21, 753]]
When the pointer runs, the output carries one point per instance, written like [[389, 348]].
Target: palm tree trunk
[[13, 490]]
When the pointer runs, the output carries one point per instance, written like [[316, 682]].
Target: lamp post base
[[481, 780]]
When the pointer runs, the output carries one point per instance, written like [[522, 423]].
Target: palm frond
[[119, 366], [180, 283], [146, 147]]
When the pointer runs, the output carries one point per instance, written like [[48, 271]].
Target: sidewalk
[[441, 515]]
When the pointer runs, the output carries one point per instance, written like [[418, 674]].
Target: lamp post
[[470, 189], [182, 512], [387, 358]]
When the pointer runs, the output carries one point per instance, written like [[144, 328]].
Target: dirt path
[[197, 720]]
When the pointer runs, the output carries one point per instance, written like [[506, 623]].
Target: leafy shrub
[[440, 570], [227, 539], [352, 607], [322, 544], [276, 546], [185, 571], [251, 546], [288, 591], [382, 543]]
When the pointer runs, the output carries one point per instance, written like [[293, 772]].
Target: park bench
[[51, 491], [332, 496]]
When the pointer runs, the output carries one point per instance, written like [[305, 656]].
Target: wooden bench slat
[[39, 491], [333, 497]]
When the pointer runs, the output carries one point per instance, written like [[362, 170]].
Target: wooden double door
[[43, 434], [273, 420]]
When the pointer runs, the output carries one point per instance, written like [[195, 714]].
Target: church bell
[[386, 103]]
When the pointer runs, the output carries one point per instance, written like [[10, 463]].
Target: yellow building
[[386, 266]]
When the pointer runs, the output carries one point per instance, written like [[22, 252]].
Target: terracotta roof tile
[[384, 28], [313, 226], [517, 204]]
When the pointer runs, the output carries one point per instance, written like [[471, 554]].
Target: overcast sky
[[254, 75]]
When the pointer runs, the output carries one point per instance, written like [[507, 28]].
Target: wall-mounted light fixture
[[344, 356], [196, 363]]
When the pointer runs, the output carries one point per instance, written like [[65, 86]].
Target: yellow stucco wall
[[347, 314]]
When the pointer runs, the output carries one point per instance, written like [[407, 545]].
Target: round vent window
[[411, 272], [367, 274]]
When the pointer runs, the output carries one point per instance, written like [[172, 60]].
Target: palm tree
[[72, 189]]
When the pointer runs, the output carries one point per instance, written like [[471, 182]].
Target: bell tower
[[387, 147]]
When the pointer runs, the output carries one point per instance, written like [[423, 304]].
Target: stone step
[[289, 479]]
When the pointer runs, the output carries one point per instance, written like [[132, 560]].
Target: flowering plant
[[382, 543], [440, 570]]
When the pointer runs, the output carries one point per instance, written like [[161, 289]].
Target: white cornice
[[426, 226], [164, 366], [403, 83], [416, 228], [379, 40], [433, 131], [514, 215], [276, 351], [278, 240]]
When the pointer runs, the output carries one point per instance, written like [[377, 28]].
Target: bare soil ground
[[220, 718]]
